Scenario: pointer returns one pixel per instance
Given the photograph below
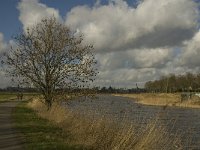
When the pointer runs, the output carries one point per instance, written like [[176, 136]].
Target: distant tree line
[[175, 83], [17, 89], [101, 90], [111, 89]]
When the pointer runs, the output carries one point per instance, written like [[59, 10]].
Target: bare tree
[[175, 83], [51, 57]]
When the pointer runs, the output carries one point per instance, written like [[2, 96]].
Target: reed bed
[[105, 133], [163, 99]]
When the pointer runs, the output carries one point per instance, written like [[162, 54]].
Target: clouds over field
[[119, 27], [133, 43]]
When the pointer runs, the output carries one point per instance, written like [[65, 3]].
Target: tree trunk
[[48, 100]]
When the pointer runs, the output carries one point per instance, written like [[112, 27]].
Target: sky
[[135, 40]]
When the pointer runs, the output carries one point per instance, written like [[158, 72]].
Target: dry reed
[[163, 99], [106, 134]]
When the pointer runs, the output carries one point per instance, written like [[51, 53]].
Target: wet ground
[[182, 121]]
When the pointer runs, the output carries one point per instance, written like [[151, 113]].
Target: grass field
[[5, 96], [39, 133], [163, 99]]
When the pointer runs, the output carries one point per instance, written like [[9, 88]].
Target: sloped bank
[[104, 133], [39, 133]]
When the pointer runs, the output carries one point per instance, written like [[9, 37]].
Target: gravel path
[[10, 139]]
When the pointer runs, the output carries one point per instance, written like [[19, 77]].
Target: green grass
[[4, 96], [40, 134]]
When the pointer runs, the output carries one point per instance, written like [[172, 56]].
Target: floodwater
[[182, 121]]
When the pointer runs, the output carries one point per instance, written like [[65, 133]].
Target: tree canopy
[[175, 83], [50, 56]]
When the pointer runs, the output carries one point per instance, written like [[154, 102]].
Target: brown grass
[[194, 102], [106, 134], [163, 99]]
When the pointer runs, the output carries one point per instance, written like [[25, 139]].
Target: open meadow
[[7, 96]]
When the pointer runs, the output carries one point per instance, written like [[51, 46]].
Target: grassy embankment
[[163, 99], [59, 127], [39, 133]]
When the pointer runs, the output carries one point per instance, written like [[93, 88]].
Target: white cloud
[[126, 77], [117, 26], [139, 58], [151, 58], [126, 68], [190, 52], [134, 44], [31, 11], [137, 44]]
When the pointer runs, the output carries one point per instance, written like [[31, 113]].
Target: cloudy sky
[[135, 40]]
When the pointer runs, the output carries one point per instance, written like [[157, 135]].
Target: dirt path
[[10, 139]]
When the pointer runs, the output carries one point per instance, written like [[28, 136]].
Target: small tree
[[51, 57]]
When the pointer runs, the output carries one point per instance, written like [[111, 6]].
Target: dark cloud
[[169, 37]]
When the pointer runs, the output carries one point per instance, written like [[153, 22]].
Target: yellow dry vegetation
[[163, 99], [103, 133]]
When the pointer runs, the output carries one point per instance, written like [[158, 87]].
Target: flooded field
[[181, 121]]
